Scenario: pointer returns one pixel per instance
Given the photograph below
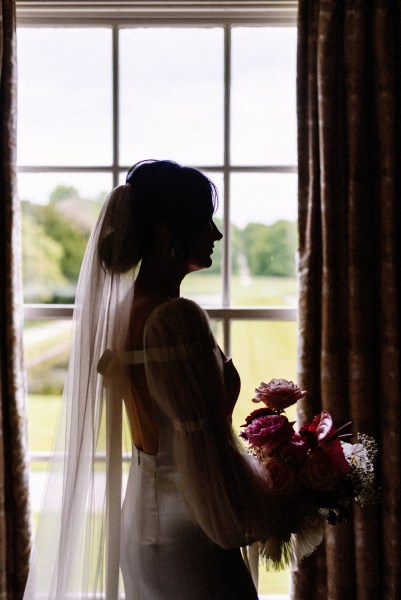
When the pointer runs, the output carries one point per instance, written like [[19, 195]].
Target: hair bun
[[118, 246]]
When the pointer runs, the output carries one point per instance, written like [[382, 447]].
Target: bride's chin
[[192, 268]]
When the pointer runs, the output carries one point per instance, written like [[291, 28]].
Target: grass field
[[257, 291], [260, 350]]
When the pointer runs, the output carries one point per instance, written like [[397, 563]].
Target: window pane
[[262, 350], [172, 95], [64, 96], [264, 238], [46, 346], [58, 213], [263, 116]]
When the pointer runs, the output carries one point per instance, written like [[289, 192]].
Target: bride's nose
[[217, 235]]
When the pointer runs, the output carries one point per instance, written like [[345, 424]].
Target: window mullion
[[226, 174], [226, 167], [116, 103]]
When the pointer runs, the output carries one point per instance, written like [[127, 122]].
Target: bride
[[193, 497]]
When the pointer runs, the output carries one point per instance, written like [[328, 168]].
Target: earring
[[173, 253]]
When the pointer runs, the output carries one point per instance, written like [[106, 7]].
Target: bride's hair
[[156, 193]]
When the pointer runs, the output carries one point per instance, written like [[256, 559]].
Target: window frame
[[151, 13], [117, 15]]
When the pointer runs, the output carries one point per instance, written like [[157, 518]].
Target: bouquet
[[314, 461]]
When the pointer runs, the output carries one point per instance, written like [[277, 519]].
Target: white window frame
[[162, 13], [117, 14]]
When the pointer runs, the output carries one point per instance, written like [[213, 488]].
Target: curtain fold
[[15, 535], [349, 141]]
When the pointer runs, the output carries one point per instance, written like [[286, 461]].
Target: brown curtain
[[349, 127], [14, 514]]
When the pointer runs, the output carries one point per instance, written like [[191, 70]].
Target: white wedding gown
[[165, 553]]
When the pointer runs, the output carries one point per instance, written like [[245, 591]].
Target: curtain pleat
[[15, 528], [349, 111]]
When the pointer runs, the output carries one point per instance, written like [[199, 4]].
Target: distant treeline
[[55, 236]]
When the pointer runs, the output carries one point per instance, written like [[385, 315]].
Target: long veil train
[[77, 533]]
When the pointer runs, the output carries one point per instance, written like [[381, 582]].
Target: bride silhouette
[[193, 497]]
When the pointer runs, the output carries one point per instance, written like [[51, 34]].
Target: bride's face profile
[[201, 245]]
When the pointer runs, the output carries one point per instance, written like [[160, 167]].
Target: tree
[[72, 239], [41, 257], [61, 192], [270, 249]]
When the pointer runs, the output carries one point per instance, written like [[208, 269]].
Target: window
[[209, 84]]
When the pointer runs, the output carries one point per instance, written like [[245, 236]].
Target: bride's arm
[[222, 485]]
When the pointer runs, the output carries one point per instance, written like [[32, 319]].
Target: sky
[[171, 106]]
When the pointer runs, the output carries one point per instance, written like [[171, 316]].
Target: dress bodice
[[232, 385], [144, 417]]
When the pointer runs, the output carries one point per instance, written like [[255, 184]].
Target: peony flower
[[280, 477], [278, 393], [268, 432], [255, 414], [319, 472]]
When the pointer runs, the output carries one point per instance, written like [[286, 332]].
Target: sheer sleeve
[[220, 482]]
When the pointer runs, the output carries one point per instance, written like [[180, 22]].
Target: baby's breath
[[361, 459], [370, 445]]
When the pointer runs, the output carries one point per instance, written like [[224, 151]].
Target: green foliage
[[61, 192], [72, 237], [54, 241], [41, 261], [270, 249], [55, 237]]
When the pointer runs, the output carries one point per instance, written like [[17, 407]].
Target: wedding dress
[[165, 555], [189, 509]]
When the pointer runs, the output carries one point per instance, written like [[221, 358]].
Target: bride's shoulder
[[179, 316], [182, 307]]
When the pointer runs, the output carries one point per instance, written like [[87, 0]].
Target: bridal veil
[[76, 550]]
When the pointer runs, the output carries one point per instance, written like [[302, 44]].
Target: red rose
[[268, 432], [278, 393], [280, 477], [335, 451], [319, 472], [295, 450]]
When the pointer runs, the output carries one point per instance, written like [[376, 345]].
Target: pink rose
[[268, 432], [278, 393], [319, 472], [280, 477]]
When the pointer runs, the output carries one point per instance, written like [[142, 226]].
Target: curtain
[[14, 514], [349, 139]]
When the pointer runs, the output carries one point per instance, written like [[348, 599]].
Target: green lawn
[[43, 412], [259, 291]]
